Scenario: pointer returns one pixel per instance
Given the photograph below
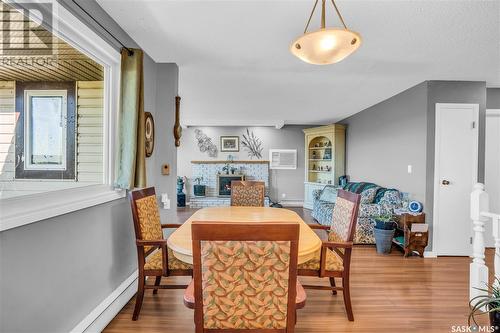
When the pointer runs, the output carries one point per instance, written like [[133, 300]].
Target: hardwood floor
[[389, 294]]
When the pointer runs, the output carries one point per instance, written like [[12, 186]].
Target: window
[[45, 130], [45, 140], [57, 153]]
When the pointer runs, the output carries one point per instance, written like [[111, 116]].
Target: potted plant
[[198, 189], [491, 302], [384, 233], [226, 168]]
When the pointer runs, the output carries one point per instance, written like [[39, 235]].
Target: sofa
[[375, 201]]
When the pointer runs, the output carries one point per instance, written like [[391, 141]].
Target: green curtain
[[131, 154]]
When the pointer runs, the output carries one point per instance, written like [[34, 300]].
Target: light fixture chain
[[338, 13], [310, 16]]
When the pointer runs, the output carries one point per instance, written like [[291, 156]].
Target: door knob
[[445, 182]]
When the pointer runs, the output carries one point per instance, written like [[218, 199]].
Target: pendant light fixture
[[326, 45]]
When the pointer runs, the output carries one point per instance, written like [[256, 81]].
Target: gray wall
[[387, 137], [165, 151], [288, 182], [493, 98], [55, 272]]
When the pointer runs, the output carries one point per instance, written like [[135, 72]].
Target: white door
[[492, 168], [455, 173]]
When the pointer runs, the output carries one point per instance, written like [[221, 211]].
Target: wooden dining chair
[[155, 258], [245, 277], [247, 193], [333, 260]]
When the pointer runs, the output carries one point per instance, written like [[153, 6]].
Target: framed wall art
[[229, 143]]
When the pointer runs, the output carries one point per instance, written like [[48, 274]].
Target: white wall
[[287, 182]]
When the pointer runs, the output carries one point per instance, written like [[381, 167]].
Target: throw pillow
[[391, 197], [329, 194], [368, 195]]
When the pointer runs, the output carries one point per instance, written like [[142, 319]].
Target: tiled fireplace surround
[[252, 170]]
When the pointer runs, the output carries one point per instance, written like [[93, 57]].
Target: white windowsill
[[19, 211]]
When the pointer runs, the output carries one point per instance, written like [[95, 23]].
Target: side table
[[411, 239]]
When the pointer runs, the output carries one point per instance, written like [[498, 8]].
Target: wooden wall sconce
[[177, 125]]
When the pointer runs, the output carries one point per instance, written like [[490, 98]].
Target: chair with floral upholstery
[[155, 258], [247, 193], [245, 277], [334, 258]]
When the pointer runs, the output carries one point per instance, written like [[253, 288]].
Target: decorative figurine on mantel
[[181, 196]]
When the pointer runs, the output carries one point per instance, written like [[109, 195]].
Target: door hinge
[[470, 240], [473, 124]]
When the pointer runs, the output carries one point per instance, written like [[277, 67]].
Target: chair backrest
[[147, 223], [245, 275], [247, 193], [345, 215]]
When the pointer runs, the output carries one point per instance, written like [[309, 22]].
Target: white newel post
[[478, 269]]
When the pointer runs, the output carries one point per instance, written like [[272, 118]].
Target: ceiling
[[235, 67], [63, 63]]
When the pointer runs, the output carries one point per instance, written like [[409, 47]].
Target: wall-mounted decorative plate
[[150, 134]]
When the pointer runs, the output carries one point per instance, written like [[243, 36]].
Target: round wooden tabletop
[[181, 244]]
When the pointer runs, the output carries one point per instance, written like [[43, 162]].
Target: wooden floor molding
[[389, 294]]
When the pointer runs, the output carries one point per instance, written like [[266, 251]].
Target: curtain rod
[[130, 51]]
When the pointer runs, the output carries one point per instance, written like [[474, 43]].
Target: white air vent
[[283, 158]]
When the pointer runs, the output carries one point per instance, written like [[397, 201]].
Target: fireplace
[[224, 183]]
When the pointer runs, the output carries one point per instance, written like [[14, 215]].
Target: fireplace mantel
[[211, 172], [230, 162]]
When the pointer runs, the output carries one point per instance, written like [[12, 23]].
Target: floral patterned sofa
[[375, 201]]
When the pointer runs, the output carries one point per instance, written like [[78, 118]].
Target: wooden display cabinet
[[324, 158]]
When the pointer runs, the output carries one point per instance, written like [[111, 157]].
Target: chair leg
[[332, 283], [139, 297], [157, 283], [347, 297]]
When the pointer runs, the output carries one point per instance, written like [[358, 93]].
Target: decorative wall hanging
[[150, 134], [229, 143], [205, 143], [252, 144], [177, 125]]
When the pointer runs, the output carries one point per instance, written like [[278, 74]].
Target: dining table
[[180, 241]]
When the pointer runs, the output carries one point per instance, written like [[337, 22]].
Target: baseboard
[[291, 203], [430, 254], [102, 315]]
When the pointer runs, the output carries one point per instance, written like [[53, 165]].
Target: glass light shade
[[326, 46]]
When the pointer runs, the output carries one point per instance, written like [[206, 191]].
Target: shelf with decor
[[324, 148]]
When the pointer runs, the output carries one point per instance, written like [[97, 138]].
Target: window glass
[[46, 132]]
